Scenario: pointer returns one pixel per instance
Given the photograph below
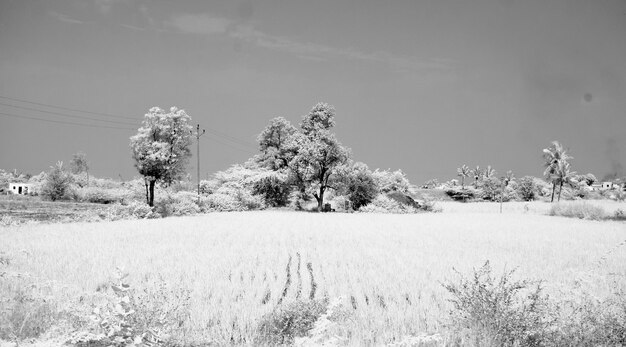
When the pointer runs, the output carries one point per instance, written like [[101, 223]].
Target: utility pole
[[198, 134]]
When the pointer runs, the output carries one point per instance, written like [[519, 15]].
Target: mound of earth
[[404, 199]]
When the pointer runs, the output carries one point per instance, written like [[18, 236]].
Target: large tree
[[316, 162], [310, 155], [555, 161], [274, 144], [161, 147]]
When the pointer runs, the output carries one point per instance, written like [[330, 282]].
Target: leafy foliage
[[557, 167], [58, 184], [526, 188], [79, 163], [274, 190], [501, 311], [288, 322], [161, 147], [359, 184], [463, 172], [391, 181]]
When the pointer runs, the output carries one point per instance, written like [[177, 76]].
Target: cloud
[[205, 24], [104, 6], [132, 27], [64, 18]]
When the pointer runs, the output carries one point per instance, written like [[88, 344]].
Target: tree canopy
[[161, 147]]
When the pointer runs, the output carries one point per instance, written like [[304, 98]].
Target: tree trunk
[[560, 189], [462, 182], [553, 189], [145, 183], [151, 196], [320, 201]]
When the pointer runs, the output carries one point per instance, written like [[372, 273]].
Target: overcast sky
[[424, 86]]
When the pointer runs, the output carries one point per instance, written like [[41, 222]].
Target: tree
[[463, 172], [57, 184], [161, 147], [478, 174], [359, 184], [316, 162], [526, 188], [564, 175], [273, 143], [319, 153], [79, 163], [554, 158], [489, 172]]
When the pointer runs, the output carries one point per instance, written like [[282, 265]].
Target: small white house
[[607, 185], [21, 188]]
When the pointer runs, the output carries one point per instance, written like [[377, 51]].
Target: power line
[[62, 122], [233, 139], [230, 145], [66, 108], [66, 115]]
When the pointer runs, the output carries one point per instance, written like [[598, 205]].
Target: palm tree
[[463, 172], [565, 176], [556, 158], [489, 172], [478, 173], [508, 177]]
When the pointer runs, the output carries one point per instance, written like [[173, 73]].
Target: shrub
[[461, 194], [581, 210], [285, 323], [179, 204], [103, 195], [128, 317], [501, 311], [362, 188], [222, 203], [526, 189], [384, 204], [388, 181], [273, 190], [58, 184]]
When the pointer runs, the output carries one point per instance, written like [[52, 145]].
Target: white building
[[21, 188], [607, 185]]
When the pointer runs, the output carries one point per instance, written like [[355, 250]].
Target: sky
[[422, 86]]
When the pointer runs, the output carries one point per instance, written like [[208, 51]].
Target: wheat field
[[387, 269]]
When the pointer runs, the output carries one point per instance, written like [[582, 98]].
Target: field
[[387, 269]]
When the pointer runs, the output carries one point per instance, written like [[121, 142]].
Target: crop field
[[387, 270]]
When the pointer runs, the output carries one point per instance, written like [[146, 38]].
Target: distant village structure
[[20, 188]]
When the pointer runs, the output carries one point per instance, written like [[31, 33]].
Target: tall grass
[[387, 268]]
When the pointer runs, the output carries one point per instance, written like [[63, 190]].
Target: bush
[[527, 189], [124, 316], [498, 312], [384, 204], [581, 210], [460, 194], [285, 323], [221, 203], [362, 188], [179, 204], [58, 184], [273, 190], [388, 181], [103, 195]]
